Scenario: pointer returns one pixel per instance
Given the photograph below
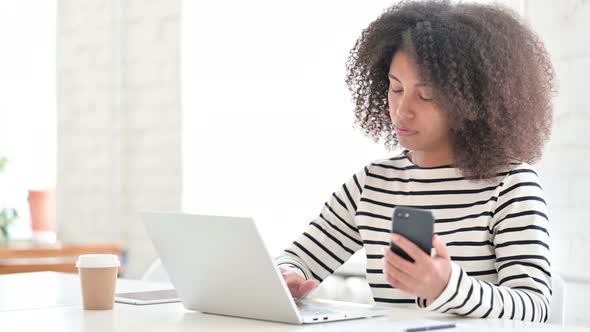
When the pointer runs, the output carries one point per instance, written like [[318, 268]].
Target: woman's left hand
[[426, 277]]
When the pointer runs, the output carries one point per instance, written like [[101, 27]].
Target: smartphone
[[148, 297], [416, 225]]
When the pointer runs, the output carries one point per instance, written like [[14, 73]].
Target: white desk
[[49, 301]]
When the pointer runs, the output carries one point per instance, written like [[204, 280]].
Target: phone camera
[[404, 215]]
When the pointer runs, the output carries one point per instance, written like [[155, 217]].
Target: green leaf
[[8, 216], [4, 231]]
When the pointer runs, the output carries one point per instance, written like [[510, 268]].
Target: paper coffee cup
[[98, 279]]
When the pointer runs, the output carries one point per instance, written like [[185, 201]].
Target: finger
[[393, 277], [306, 287], [401, 263], [410, 248], [292, 279], [398, 271], [293, 287], [440, 247]]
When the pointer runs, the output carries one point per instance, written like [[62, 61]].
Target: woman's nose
[[404, 109]]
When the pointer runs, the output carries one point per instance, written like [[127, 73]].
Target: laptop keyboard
[[313, 309]]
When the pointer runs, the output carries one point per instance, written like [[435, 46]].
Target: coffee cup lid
[[98, 261]]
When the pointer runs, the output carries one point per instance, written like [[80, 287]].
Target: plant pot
[[42, 206]]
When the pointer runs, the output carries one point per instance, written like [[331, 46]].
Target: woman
[[466, 90]]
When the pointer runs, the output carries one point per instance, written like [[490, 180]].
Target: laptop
[[220, 265]]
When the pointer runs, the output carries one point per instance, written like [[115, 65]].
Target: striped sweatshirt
[[496, 233]]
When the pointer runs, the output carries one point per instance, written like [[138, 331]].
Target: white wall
[[564, 168], [267, 116], [118, 120]]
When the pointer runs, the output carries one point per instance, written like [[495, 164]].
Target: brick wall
[[118, 120]]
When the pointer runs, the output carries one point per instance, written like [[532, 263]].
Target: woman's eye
[[397, 91], [425, 94]]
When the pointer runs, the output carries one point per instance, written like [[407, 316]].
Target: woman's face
[[419, 123]]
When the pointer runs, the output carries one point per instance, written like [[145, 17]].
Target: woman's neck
[[431, 158]]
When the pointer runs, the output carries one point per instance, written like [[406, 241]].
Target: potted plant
[[7, 215]]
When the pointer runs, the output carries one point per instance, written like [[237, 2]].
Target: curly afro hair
[[489, 72]]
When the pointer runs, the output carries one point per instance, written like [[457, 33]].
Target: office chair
[[557, 308]]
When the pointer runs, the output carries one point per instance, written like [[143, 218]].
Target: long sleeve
[[331, 238], [520, 237]]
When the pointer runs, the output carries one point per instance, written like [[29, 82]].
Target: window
[[28, 103]]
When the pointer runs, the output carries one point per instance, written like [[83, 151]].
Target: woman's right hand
[[298, 286]]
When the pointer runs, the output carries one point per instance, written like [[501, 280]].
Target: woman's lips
[[405, 132]]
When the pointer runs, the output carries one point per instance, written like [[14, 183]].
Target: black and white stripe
[[496, 233]]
